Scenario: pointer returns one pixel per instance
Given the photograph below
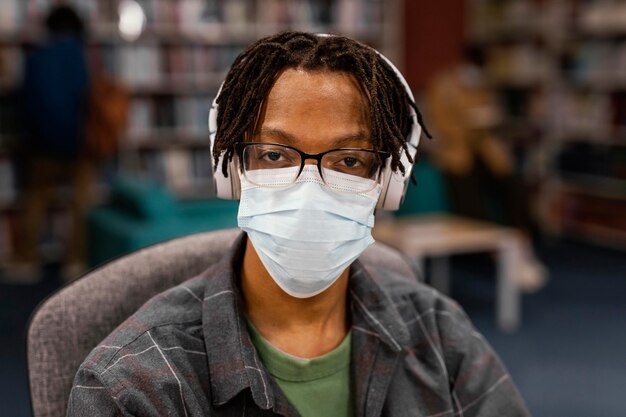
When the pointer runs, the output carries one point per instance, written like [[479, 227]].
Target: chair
[[71, 322]]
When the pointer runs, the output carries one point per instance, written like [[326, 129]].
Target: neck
[[303, 327]]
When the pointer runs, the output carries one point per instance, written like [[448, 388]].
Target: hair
[[255, 70], [64, 20]]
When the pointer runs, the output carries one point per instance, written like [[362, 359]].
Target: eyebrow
[[291, 140]]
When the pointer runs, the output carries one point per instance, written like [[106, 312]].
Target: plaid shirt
[[187, 352]]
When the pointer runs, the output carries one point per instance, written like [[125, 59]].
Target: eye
[[348, 161], [272, 155], [275, 157], [351, 162]]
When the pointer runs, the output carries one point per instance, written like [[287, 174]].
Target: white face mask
[[306, 235]]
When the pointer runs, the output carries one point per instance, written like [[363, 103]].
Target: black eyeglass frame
[[383, 155]]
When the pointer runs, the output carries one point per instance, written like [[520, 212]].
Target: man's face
[[315, 111], [289, 227]]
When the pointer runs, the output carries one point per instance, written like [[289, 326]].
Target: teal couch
[[428, 195], [141, 213]]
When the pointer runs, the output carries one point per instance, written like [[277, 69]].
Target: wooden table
[[441, 236]]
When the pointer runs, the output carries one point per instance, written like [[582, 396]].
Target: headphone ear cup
[[227, 188], [396, 189], [385, 177], [394, 185], [235, 180]]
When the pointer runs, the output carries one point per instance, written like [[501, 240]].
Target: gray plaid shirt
[[187, 352]]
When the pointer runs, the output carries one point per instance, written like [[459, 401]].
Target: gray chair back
[[71, 322]]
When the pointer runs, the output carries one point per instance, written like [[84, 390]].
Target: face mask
[[306, 234]]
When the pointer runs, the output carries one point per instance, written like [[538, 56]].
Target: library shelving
[[560, 67]]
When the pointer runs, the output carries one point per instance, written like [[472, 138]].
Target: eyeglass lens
[[276, 165]]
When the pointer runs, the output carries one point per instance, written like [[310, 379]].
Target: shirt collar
[[232, 359], [373, 309], [233, 362]]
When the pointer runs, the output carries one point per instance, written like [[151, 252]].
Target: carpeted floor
[[568, 358], [16, 304]]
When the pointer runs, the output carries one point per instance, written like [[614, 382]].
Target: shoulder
[[444, 346], [170, 321], [440, 333], [426, 313]]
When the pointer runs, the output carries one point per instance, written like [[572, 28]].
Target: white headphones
[[394, 184]]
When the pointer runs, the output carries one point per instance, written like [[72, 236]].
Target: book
[[177, 168], [202, 173], [185, 109], [139, 65], [141, 117], [11, 67], [8, 191], [164, 112], [9, 120], [11, 17], [6, 237]]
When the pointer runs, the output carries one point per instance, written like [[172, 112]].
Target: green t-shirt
[[315, 387]]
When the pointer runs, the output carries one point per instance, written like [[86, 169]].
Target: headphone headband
[[394, 184]]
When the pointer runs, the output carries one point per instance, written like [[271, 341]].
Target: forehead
[[317, 83], [314, 106]]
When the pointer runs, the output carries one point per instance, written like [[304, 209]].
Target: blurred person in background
[[54, 96], [478, 166]]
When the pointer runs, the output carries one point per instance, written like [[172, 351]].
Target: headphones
[[394, 184]]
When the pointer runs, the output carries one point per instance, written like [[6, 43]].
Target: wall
[[434, 35]]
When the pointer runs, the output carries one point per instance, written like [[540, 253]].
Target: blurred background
[[104, 149]]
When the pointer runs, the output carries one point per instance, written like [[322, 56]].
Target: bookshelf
[[172, 70], [560, 67]]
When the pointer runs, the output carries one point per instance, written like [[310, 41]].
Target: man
[[290, 323]]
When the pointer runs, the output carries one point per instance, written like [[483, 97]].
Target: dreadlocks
[[254, 71]]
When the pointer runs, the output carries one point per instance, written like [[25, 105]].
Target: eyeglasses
[[348, 170]]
